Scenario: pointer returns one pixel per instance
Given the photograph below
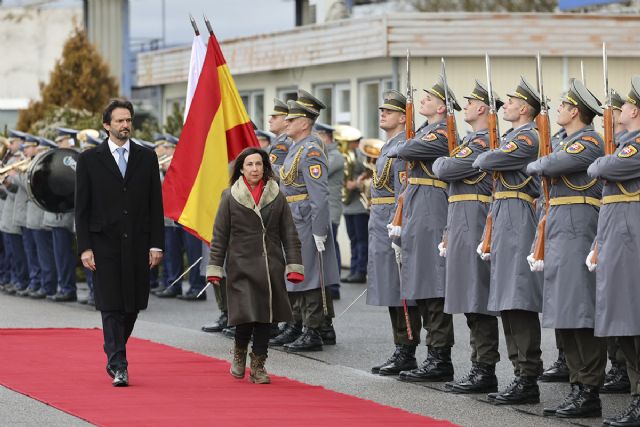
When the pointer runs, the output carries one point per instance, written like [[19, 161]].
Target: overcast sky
[[230, 18]]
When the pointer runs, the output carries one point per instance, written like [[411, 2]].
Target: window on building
[[337, 98], [254, 103], [370, 99]]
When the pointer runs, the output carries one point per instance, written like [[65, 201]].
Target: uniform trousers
[[437, 323], [614, 352], [358, 231], [31, 253], [46, 259], [193, 247], [5, 259], [399, 325], [19, 270], [586, 356], [116, 328], [309, 305], [522, 334], [334, 227], [483, 338], [295, 308], [173, 261], [630, 346], [65, 260]]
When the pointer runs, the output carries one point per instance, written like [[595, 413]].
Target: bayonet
[[208, 24], [194, 25]]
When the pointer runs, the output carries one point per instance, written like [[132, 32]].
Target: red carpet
[[64, 368]]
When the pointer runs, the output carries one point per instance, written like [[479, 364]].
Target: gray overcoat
[[569, 288], [513, 285]]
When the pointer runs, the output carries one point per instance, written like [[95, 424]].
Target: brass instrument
[[82, 135], [344, 135], [371, 148], [21, 166], [164, 159], [4, 147]]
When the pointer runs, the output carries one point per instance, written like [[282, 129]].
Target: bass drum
[[51, 180]]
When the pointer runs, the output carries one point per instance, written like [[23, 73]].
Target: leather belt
[[470, 197], [621, 198], [428, 181], [297, 198], [574, 200], [383, 201], [500, 195]]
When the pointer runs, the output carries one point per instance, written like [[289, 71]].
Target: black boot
[[310, 340], [219, 325], [229, 332], [290, 333], [575, 389], [558, 372], [437, 367], [327, 332], [586, 404], [481, 379], [617, 380], [405, 361], [393, 358], [630, 416], [274, 330], [523, 390]]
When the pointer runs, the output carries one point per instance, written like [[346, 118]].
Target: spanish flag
[[217, 129]]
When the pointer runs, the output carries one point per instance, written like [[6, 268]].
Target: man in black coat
[[120, 229]]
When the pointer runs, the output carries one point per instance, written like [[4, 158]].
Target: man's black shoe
[[291, 333], [39, 294], [9, 289], [629, 417], [405, 361], [616, 381], [558, 372], [229, 332], [218, 326], [111, 372], [355, 278], [192, 295], [327, 333], [586, 404], [274, 330], [575, 389], [60, 297], [391, 359], [310, 340], [523, 390], [121, 378], [481, 379], [23, 292], [158, 290], [437, 367], [172, 292]]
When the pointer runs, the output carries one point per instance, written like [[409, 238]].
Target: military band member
[[424, 219], [264, 139], [303, 180], [571, 226], [384, 285], [467, 288], [281, 143], [515, 291], [335, 167], [617, 272]]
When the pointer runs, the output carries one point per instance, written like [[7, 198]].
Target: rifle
[[452, 134], [409, 132], [494, 138], [609, 144], [542, 122]]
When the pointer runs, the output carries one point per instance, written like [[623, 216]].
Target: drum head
[[51, 180]]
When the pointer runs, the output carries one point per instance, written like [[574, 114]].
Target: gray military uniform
[[306, 167], [336, 182], [354, 204], [278, 152]]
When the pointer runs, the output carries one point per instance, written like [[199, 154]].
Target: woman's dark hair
[[113, 104], [239, 162]]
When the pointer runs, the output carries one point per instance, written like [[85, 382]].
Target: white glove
[[394, 230], [442, 249], [398, 250], [320, 242], [483, 256], [534, 264], [591, 266]]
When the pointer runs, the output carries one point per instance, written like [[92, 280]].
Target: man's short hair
[[113, 104]]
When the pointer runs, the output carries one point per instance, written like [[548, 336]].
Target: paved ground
[[363, 340]]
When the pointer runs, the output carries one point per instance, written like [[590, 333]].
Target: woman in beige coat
[[254, 233]]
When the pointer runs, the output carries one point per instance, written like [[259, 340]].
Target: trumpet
[[343, 135], [21, 166]]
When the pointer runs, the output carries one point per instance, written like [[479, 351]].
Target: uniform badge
[[465, 152], [314, 153], [480, 142], [591, 139], [628, 151], [509, 147], [282, 147], [315, 171], [442, 132], [402, 177], [525, 138], [575, 148], [430, 137], [273, 158]]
